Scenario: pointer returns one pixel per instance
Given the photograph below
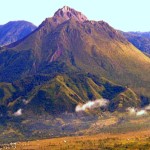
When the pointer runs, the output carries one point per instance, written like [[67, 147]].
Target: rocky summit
[[68, 13]]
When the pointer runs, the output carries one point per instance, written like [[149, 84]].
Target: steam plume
[[25, 101], [131, 110], [137, 112], [91, 105], [18, 113], [141, 113], [147, 107]]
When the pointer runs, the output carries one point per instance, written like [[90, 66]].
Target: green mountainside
[[61, 93]]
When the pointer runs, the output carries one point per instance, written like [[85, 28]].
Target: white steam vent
[[137, 112], [91, 105], [141, 112], [18, 112]]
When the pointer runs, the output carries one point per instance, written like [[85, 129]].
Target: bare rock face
[[61, 15], [68, 13]]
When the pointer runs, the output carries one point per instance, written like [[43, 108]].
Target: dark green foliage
[[111, 90], [1, 93], [144, 101], [12, 70], [3, 110]]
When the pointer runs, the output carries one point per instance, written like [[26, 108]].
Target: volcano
[[69, 59]]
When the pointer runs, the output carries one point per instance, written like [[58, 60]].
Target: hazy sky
[[126, 15]]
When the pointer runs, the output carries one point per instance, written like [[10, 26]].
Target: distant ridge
[[14, 31], [141, 40]]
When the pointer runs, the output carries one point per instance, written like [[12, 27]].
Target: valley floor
[[124, 141]]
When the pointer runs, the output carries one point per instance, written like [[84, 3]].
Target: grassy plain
[[131, 141]]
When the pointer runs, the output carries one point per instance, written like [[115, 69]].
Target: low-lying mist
[[92, 105], [138, 111]]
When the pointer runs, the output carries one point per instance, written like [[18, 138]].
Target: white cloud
[[141, 112], [18, 113], [92, 104]]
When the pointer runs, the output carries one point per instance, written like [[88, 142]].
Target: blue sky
[[126, 15]]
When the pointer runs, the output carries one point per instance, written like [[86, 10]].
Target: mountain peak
[[66, 8], [68, 13]]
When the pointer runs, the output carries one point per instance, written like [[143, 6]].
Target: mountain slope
[[68, 43], [94, 43], [14, 31], [141, 40], [61, 93]]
